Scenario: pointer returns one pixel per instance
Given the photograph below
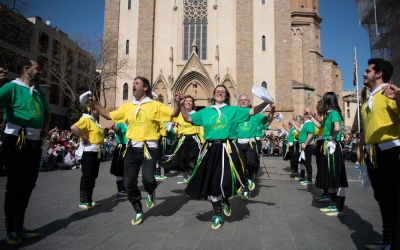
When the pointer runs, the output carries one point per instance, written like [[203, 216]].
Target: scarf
[[92, 118], [22, 84], [371, 94], [145, 100], [218, 108]]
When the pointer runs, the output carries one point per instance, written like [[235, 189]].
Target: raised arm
[[180, 102], [312, 118], [257, 109], [102, 111]]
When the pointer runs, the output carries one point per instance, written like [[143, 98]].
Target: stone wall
[[283, 56], [111, 30], [244, 45], [145, 41]]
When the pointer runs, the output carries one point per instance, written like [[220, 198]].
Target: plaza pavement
[[280, 214]]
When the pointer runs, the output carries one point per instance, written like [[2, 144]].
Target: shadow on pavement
[[106, 206]]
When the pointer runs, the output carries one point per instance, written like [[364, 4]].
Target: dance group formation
[[217, 148]]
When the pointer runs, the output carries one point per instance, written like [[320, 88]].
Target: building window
[[127, 47], [125, 93], [56, 49], [348, 104], [263, 43], [262, 1], [195, 28], [54, 94], [348, 113], [129, 4], [43, 42], [161, 98], [43, 65]]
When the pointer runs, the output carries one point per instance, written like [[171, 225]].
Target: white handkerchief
[[262, 93], [282, 133], [302, 155], [84, 97], [332, 146], [280, 117], [364, 177]]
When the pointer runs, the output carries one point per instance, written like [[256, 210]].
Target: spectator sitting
[[74, 141], [71, 159]]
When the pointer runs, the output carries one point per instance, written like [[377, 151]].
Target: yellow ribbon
[[21, 139], [146, 153]]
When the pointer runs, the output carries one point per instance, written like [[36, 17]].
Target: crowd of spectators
[[349, 142], [273, 145], [60, 147]]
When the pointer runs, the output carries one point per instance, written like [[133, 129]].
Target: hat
[[84, 97]]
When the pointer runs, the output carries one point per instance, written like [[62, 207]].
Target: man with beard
[[28, 118], [143, 116], [382, 145], [245, 135]]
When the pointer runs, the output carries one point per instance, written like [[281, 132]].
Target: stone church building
[[194, 45]]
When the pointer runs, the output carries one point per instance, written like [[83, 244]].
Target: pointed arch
[[230, 84], [125, 92]]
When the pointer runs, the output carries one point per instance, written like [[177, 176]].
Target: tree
[[89, 62], [74, 113]]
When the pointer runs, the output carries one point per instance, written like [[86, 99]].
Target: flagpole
[[358, 96]]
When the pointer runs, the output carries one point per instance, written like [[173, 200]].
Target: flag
[[355, 71]]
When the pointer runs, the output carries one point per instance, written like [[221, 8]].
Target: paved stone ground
[[281, 214]]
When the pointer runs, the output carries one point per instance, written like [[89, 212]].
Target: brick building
[[195, 45]]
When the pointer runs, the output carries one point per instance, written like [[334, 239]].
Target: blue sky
[[340, 31]]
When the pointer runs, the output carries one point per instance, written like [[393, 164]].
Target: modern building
[[381, 20], [32, 38], [194, 45]]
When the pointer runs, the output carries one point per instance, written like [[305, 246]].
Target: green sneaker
[[327, 209], [255, 175], [85, 205], [95, 203], [151, 200], [306, 183], [379, 245], [335, 213], [24, 232], [13, 239], [160, 177], [322, 198], [251, 185], [122, 193], [226, 206], [138, 219], [245, 195], [299, 178], [217, 222]]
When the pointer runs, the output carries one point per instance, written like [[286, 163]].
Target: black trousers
[[248, 156], [307, 162], [259, 145], [133, 160], [22, 169], [90, 171], [384, 180]]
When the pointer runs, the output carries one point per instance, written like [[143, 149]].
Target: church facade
[[194, 45]]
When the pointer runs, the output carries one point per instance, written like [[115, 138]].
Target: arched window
[[161, 98], [127, 47], [125, 93], [263, 43], [195, 28], [129, 4]]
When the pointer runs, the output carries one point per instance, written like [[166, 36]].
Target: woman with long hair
[[183, 156], [92, 136], [318, 120], [332, 171], [218, 172]]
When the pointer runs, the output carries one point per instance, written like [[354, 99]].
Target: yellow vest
[[380, 124], [145, 125]]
